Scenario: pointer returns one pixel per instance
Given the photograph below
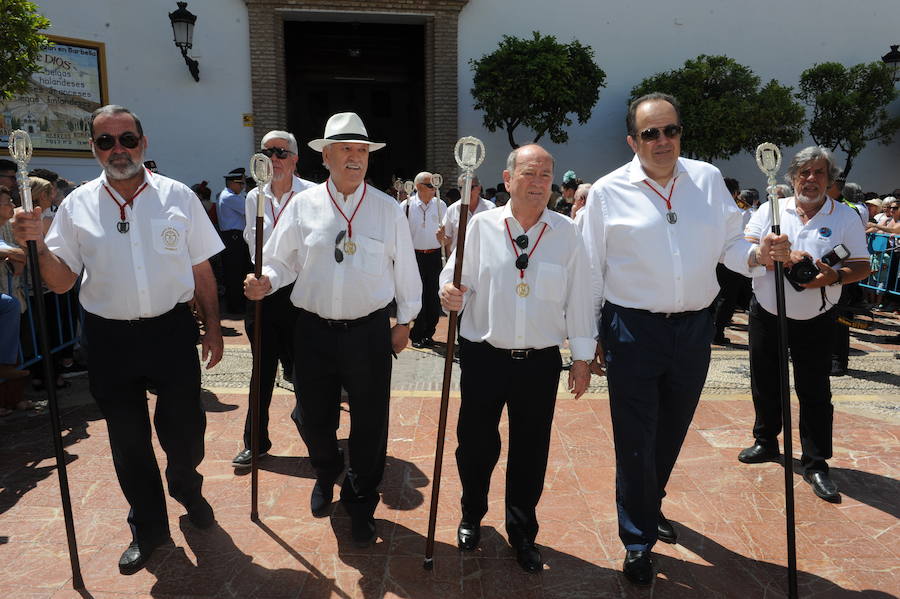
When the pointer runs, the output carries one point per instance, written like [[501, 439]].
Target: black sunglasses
[[338, 254], [670, 131], [428, 185], [522, 260], [127, 140], [279, 152]]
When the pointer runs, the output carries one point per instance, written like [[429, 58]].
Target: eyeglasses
[[522, 260], [127, 140], [670, 131], [338, 254], [277, 152]]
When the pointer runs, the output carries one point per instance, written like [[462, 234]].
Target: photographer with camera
[[828, 250]]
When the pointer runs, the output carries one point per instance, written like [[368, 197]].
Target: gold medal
[[522, 289], [349, 247]]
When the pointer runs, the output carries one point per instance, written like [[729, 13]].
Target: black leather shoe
[[320, 500], [419, 344], [822, 485], [757, 454], [133, 558], [838, 369], [200, 513], [638, 567], [242, 459], [528, 557], [665, 532], [363, 531], [468, 536]]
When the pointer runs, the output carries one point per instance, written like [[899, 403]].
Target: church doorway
[[375, 69]]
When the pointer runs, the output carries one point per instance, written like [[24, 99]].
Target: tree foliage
[[20, 45], [723, 108], [537, 83], [849, 106]]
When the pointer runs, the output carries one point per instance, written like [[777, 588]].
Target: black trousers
[[490, 379], [429, 271], [279, 316], [236, 265], [358, 358], [810, 350], [840, 353], [125, 358], [656, 368], [732, 286]]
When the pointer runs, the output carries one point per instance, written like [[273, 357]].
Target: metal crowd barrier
[[65, 317], [885, 260]]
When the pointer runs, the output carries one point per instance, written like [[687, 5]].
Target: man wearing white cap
[[348, 249]]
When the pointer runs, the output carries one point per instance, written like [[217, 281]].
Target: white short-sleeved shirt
[[834, 223], [424, 221], [146, 271]]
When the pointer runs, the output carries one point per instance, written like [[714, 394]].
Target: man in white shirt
[[525, 289], [347, 246], [655, 229], [143, 242], [279, 314], [815, 223], [449, 231], [424, 214]]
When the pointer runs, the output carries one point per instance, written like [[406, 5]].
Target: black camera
[[806, 270]]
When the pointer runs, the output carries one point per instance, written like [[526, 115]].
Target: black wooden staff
[[467, 157], [261, 171], [768, 158], [20, 150]]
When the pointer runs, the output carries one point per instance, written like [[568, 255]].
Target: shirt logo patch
[[170, 238], [825, 232]]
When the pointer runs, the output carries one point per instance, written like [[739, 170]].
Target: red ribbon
[[349, 220]]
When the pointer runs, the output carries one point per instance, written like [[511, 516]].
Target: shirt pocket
[[169, 236], [550, 282], [371, 256]]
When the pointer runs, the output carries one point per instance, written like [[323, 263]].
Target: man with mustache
[[655, 229], [815, 224], [143, 242], [347, 249]]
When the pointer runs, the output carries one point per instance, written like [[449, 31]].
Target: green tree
[[849, 106], [537, 83], [723, 108], [20, 45]]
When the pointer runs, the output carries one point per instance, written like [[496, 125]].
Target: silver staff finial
[[469, 153], [261, 169]]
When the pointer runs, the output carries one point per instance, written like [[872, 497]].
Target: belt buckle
[[519, 354], [338, 324]]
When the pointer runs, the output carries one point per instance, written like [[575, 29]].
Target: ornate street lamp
[[183, 27]]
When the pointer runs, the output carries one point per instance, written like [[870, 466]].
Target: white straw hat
[[347, 127]]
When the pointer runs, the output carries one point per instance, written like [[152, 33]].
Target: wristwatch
[[840, 278]]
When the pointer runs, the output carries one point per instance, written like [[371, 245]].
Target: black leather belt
[[344, 324], [180, 307], [431, 251], [521, 354]]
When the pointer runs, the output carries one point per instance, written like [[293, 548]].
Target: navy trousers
[[656, 368]]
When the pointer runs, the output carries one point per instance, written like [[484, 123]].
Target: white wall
[[635, 39], [194, 129]]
